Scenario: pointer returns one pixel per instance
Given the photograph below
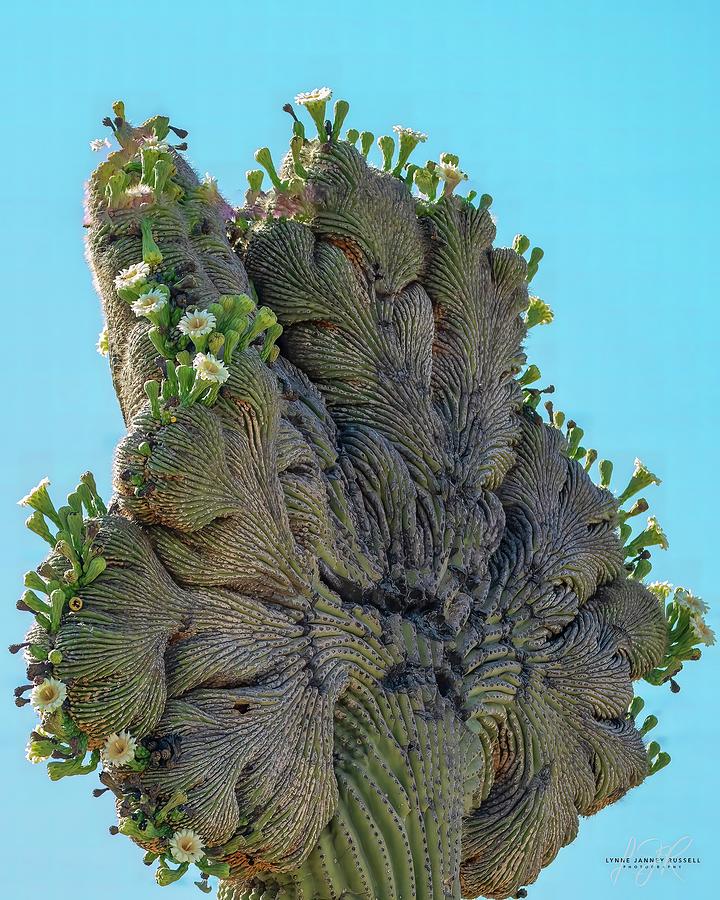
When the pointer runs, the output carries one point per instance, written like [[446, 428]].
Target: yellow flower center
[[47, 693]]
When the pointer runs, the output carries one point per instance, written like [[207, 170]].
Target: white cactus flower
[[133, 275], [703, 631], [119, 748], [186, 846], [49, 695], [102, 346], [149, 302], [210, 368], [418, 136], [319, 95], [689, 601], [196, 324]]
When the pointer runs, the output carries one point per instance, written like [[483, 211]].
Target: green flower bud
[[37, 651], [264, 158], [232, 339], [529, 376], [158, 341], [75, 501], [74, 524], [366, 142], [648, 725], [86, 498], [34, 581], [58, 770], [352, 136], [161, 127], [296, 187], [186, 380], [606, 470], [34, 603], [177, 799], [144, 449], [427, 183], [640, 506], [485, 202], [162, 172], [150, 250], [642, 569], [532, 398], [538, 313], [264, 318], [115, 190], [215, 342], [58, 601], [296, 146], [95, 568], [574, 437], [255, 179], [55, 657], [521, 243], [165, 875], [152, 389], [559, 419], [271, 335], [340, 111], [590, 458], [662, 760], [88, 479], [450, 159], [653, 748], [219, 869], [636, 707], [387, 148], [39, 750], [536, 255]]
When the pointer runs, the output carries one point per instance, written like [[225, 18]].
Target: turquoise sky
[[594, 127]]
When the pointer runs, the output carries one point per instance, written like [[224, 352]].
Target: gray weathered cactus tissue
[[357, 622]]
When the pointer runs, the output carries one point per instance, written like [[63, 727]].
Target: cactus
[[356, 622]]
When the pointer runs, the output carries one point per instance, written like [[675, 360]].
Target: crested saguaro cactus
[[356, 622]]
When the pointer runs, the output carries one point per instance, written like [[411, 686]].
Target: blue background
[[593, 125]]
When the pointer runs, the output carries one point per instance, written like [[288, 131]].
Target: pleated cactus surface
[[357, 621]]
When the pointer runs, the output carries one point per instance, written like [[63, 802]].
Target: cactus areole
[[357, 622]]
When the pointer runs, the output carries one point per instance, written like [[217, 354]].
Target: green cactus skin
[[367, 619]]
